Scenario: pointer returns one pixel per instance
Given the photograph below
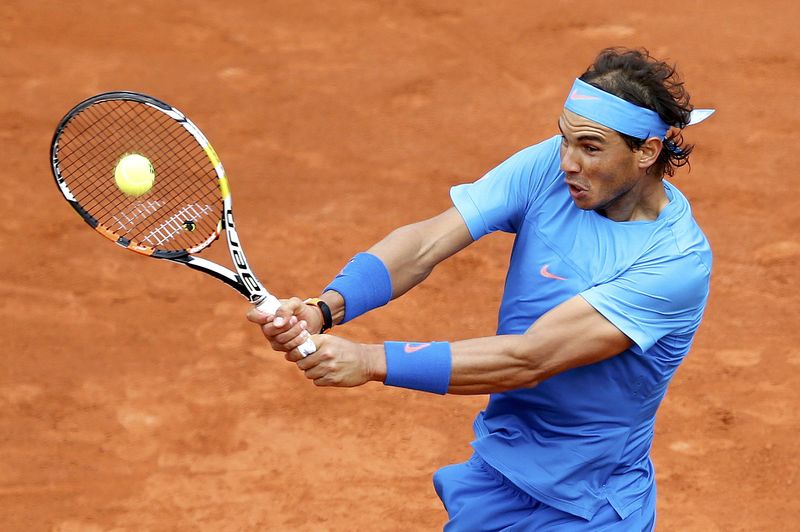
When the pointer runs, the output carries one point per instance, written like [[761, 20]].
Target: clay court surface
[[135, 396]]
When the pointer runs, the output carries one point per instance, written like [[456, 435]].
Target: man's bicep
[[427, 242], [574, 334], [411, 252], [446, 234]]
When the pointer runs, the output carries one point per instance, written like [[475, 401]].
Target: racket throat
[[218, 272], [252, 287]]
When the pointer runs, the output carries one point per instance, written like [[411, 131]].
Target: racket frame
[[243, 280]]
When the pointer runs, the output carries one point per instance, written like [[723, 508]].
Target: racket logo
[[171, 227], [128, 218], [239, 261], [189, 225], [250, 282]]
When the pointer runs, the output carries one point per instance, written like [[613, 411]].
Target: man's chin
[[584, 204]]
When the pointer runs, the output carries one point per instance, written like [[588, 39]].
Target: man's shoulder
[[539, 165], [546, 150], [684, 231]]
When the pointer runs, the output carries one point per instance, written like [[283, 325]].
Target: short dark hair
[[634, 75]]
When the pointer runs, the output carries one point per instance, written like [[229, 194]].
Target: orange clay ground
[[135, 396]]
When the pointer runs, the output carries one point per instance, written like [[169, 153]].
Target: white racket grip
[[269, 306]]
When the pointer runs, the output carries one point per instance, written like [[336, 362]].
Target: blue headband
[[621, 115]]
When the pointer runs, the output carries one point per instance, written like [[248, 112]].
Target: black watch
[[327, 317]]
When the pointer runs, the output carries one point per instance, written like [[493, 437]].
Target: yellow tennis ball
[[134, 174]]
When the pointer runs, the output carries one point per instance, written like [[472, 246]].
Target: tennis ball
[[134, 174]]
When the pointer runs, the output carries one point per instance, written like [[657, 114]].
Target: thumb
[[320, 340], [256, 316], [289, 307]]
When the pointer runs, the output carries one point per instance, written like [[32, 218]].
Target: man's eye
[[591, 149]]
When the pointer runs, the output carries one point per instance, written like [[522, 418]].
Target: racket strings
[[101, 196], [180, 212], [88, 156]]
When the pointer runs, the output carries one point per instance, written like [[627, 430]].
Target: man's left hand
[[339, 362]]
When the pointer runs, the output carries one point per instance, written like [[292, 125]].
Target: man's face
[[601, 170]]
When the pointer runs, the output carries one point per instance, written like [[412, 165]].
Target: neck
[[644, 201]]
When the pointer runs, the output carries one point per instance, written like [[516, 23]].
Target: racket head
[[181, 214]]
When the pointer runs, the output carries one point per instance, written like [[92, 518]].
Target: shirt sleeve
[[499, 200], [651, 300]]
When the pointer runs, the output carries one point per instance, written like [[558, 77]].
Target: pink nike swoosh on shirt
[[544, 272], [579, 96], [413, 348]]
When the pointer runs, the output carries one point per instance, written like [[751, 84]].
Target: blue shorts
[[478, 498]]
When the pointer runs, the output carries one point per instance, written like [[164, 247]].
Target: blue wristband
[[418, 366], [364, 283]]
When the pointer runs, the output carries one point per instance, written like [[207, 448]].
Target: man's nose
[[569, 163]]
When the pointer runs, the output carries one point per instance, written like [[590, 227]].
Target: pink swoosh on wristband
[[413, 348]]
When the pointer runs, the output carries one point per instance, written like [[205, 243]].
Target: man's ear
[[648, 153]]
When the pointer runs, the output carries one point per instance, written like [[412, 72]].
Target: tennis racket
[[189, 204]]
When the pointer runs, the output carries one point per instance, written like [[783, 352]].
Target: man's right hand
[[291, 324]]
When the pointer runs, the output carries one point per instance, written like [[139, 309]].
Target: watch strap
[[327, 316]]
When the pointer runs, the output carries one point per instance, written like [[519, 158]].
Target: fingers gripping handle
[[270, 306]]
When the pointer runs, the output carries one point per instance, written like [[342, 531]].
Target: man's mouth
[[574, 187], [577, 192]]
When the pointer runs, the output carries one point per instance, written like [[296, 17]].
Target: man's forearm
[[495, 364], [410, 253], [478, 366], [571, 335]]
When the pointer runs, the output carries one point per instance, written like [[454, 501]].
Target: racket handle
[[269, 306]]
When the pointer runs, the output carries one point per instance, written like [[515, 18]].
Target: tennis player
[[606, 287]]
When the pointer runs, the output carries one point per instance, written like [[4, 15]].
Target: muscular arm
[[572, 334], [411, 252]]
